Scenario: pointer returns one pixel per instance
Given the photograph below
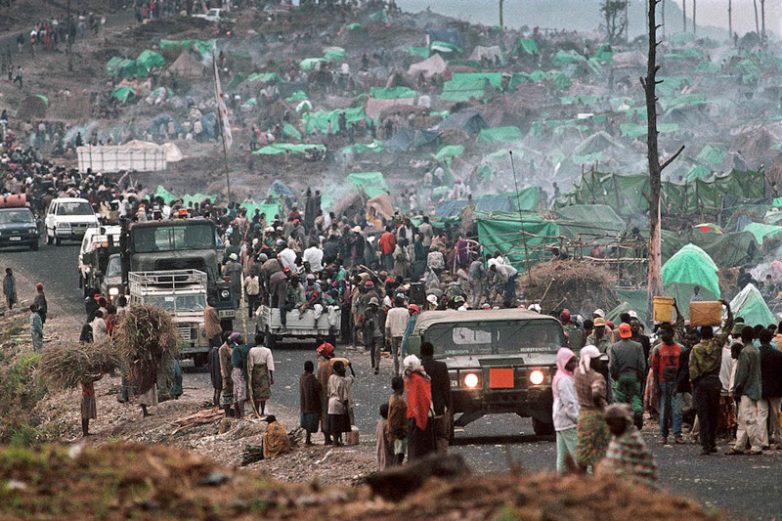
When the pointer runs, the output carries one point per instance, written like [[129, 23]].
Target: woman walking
[[565, 408], [591, 394]]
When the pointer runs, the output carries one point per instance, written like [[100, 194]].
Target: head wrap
[[563, 357], [587, 354]]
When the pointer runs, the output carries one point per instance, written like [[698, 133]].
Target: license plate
[[226, 313], [501, 378], [14, 238]]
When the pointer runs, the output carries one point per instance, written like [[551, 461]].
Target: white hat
[[233, 257], [431, 299], [633, 314], [412, 363], [535, 307], [599, 313], [357, 229]]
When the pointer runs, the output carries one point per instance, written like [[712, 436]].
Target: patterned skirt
[[240, 386], [592, 436], [261, 383]]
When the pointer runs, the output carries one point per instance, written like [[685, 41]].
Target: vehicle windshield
[[495, 337], [114, 268], [173, 238], [193, 302], [16, 216], [74, 208]]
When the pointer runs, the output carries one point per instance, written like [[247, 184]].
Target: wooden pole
[[521, 219]]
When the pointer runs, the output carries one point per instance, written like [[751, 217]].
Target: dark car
[[18, 227], [499, 361]]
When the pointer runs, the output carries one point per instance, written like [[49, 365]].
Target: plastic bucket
[[662, 310]]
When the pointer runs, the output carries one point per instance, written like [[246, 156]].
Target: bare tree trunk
[[757, 25], [70, 37], [763, 18], [662, 5], [627, 22], [694, 30], [730, 19], [502, 17], [684, 16]]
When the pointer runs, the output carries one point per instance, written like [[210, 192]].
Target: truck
[[97, 247], [298, 326], [183, 294], [180, 244], [499, 361]]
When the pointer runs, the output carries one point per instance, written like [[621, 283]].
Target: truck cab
[[183, 294], [499, 361]]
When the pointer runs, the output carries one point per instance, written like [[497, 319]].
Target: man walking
[[396, 323], [441, 397], [252, 289], [665, 368], [627, 366], [771, 375], [9, 288], [704, 365], [747, 388]]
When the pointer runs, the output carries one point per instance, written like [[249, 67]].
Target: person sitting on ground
[[275, 439], [627, 454]]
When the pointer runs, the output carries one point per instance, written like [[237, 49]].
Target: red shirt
[[387, 243], [665, 362]]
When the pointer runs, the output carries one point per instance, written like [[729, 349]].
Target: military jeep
[[499, 361]]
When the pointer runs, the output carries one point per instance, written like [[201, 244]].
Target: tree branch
[[671, 159]]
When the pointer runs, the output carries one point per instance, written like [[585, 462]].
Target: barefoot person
[[260, 371], [309, 401]]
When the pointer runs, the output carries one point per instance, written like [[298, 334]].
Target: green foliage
[[20, 391]]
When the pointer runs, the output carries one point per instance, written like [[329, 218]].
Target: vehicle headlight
[[536, 377], [113, 292], [471, 381], [32, 231], [225, 293]]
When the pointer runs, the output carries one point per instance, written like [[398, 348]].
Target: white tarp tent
[[431, 66], [139, 156], [492, 53]]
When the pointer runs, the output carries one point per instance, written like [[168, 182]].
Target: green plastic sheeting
[[685, 100], [288, 148], [203, 47], [164, 194], [371, 183], [123, 93], [237, 79], [151, 59], [464, 90], [361, 148], [590, 221], [448, 152], [299, 95], [760, 231], [603, 54], [320, 120], [392, 93], [500, 135], [269, 209], [711, 155], [379, 16], [117, 66], [527, 45], [563, 58], [422, 52], [290, 131], [307, 64], [265, 77], [503, 233], [624, 193], [690, 267], [528, 199], [43, 98], [494, 78], [750, 305], [333, 54], [444, 47], [355, 26]]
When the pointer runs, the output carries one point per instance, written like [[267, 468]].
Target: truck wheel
[[542, 428], [200, 360], [56, 239]]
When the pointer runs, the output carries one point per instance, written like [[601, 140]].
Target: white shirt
[[314, 256], [252, 285], [259, 355], [396, 321], [288, 258]]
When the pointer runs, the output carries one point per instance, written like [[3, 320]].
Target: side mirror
[[414, 345]]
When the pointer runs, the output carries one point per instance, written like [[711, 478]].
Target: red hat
[[625, 331], [389, 280], [325, 349], [565, 315], [39, 286], [413, 309]]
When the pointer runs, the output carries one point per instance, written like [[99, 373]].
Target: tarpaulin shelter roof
[[490, 53], [527, 45], [202, 47], [373, 184], [279, 189], [500, 134], [151, 59], [406, 139], [590, 221], [361, 148], [320, 120], [690, 267], [288, 148], [464, 89], [123, 93], [431, 66], [392, 92], [503, 233], [712, 155], [450, 35], [264, 77], [760, 231], [751, 306], [448, 152], [187, 66], [529, 199], [469, 121]]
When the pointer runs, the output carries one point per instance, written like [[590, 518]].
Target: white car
[[212, 15], [68, 218]]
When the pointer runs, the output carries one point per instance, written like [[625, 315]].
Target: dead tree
[[694, 7], [757, 25], [763, 19], [649, 83], [615, 19], [730, 19]]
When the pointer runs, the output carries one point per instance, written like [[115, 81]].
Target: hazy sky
[[715, 12]]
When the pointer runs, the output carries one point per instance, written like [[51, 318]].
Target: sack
[[352, 437]]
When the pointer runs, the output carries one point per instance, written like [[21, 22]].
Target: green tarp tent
[[421, 52], [333, 54], [712, 155], [307, 64], [750, 305], [299, 95], [392, 92], [760, 231], [164, 194], [690, 267], [355, 26], [446, 47], [448, 152], [202, 47], [636, 131], [123, 93], [361, 148], [151, 59], [503, 232], [591, 222], [494, 78], [290, 131], [288, 148], [269, 209], [527, 45], [371, 183], [464, 89], [320, 120], [265, 77], [500, 135]]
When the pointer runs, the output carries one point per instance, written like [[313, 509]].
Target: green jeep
[[499, 361]]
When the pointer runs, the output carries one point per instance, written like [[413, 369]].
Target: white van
[[68, 218]]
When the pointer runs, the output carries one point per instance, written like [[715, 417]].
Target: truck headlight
[[536, 377], [113, 292], [225, 293], [471, 381]]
